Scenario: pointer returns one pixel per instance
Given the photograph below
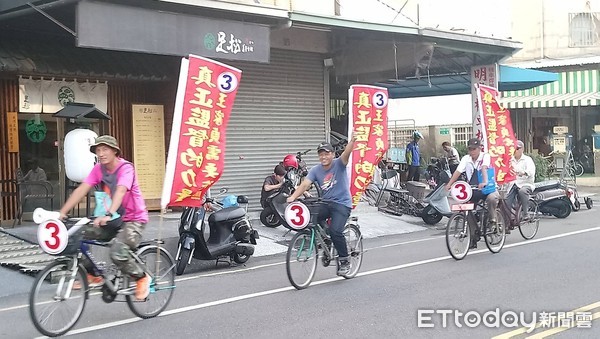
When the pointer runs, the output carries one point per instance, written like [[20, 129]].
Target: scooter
[[292, 179], [230, 234], [276, 203], [437, 200], [268, 216], [551, 197]]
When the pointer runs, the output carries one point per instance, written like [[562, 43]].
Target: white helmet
[[417, 135]]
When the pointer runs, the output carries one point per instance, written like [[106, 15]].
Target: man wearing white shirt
[[524, 168], [477, 160]]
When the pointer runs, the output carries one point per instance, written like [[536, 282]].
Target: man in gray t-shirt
[[331, 176]]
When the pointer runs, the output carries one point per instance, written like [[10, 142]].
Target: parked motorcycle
[[268, 216], [230, 233], [296, 170], [438, 175], [552, 198]]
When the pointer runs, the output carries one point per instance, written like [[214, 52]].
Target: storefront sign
[[149, 148], [36, 130], [205, 97], [50, 96], [560, 129], [12, 129], [167, 33], [369, 123], [497, 133], [484, 75]]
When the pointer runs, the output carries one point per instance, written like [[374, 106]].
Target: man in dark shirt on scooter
[[331, 176]]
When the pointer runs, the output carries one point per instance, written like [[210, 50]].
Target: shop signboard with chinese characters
[[149, 150], [497, 132], [203, 104], [166, 33], [484, 75], [369, 123], [12, 129]]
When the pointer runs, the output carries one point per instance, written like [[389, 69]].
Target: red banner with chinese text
[[368, 114], [205, 96], [498, 136]]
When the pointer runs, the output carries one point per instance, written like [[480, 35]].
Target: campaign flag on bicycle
[[205, 96], [368, 120], [497, 134]]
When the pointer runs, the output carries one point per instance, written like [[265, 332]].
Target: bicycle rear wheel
[[162, 285], [529, 229], [495, 240], [301, 260], [458, 237], [578, 169], [54, 306], [355, 249]]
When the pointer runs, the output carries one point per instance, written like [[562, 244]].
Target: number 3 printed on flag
[[227, 82], [297, 215], [461, 191]]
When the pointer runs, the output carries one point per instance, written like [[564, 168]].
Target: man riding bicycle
[[473, 164], [331, 176], [524, 168], [126, 216]]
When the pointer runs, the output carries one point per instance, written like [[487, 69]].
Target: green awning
[[574, 88]]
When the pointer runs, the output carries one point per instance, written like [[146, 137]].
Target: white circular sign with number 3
[[297, 215], [461, 191], [52, 236]]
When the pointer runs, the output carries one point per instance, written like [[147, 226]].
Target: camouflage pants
[[127, 237]]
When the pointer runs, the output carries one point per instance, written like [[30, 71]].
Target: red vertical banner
[[368, 120], [497, 133], [205, 96]]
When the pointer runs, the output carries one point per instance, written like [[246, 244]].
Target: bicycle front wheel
[[54, 306], [301, 260], [159, 265], [355, 249], [458, 237], [495, 238], [529, 229]]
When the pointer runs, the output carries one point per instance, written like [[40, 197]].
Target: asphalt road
[[406, 282]]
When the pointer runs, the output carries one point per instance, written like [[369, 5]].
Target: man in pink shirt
[[126, 216]]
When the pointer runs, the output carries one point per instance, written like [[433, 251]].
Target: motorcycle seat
[[546, 185], [228, 213], [396, 190]]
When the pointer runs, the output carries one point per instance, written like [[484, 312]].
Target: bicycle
[[458, 235], [514, 213], [313, 237], [55, 305]]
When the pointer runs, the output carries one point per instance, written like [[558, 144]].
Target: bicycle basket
[[73, 243]]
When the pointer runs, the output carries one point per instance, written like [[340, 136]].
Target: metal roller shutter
[[279, 109]]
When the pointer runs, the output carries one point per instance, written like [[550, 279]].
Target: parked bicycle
[[313, 237], [471, 215], [509, 205], [60, 291]]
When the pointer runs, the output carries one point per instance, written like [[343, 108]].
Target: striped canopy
[[575, 88]]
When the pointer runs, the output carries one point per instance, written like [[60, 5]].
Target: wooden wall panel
[[9, 162]]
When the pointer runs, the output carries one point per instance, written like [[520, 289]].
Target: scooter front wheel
[[430, 215], [268, 218], [182, 261]]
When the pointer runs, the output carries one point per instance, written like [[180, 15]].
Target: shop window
[[584, 29], [460, 135]]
